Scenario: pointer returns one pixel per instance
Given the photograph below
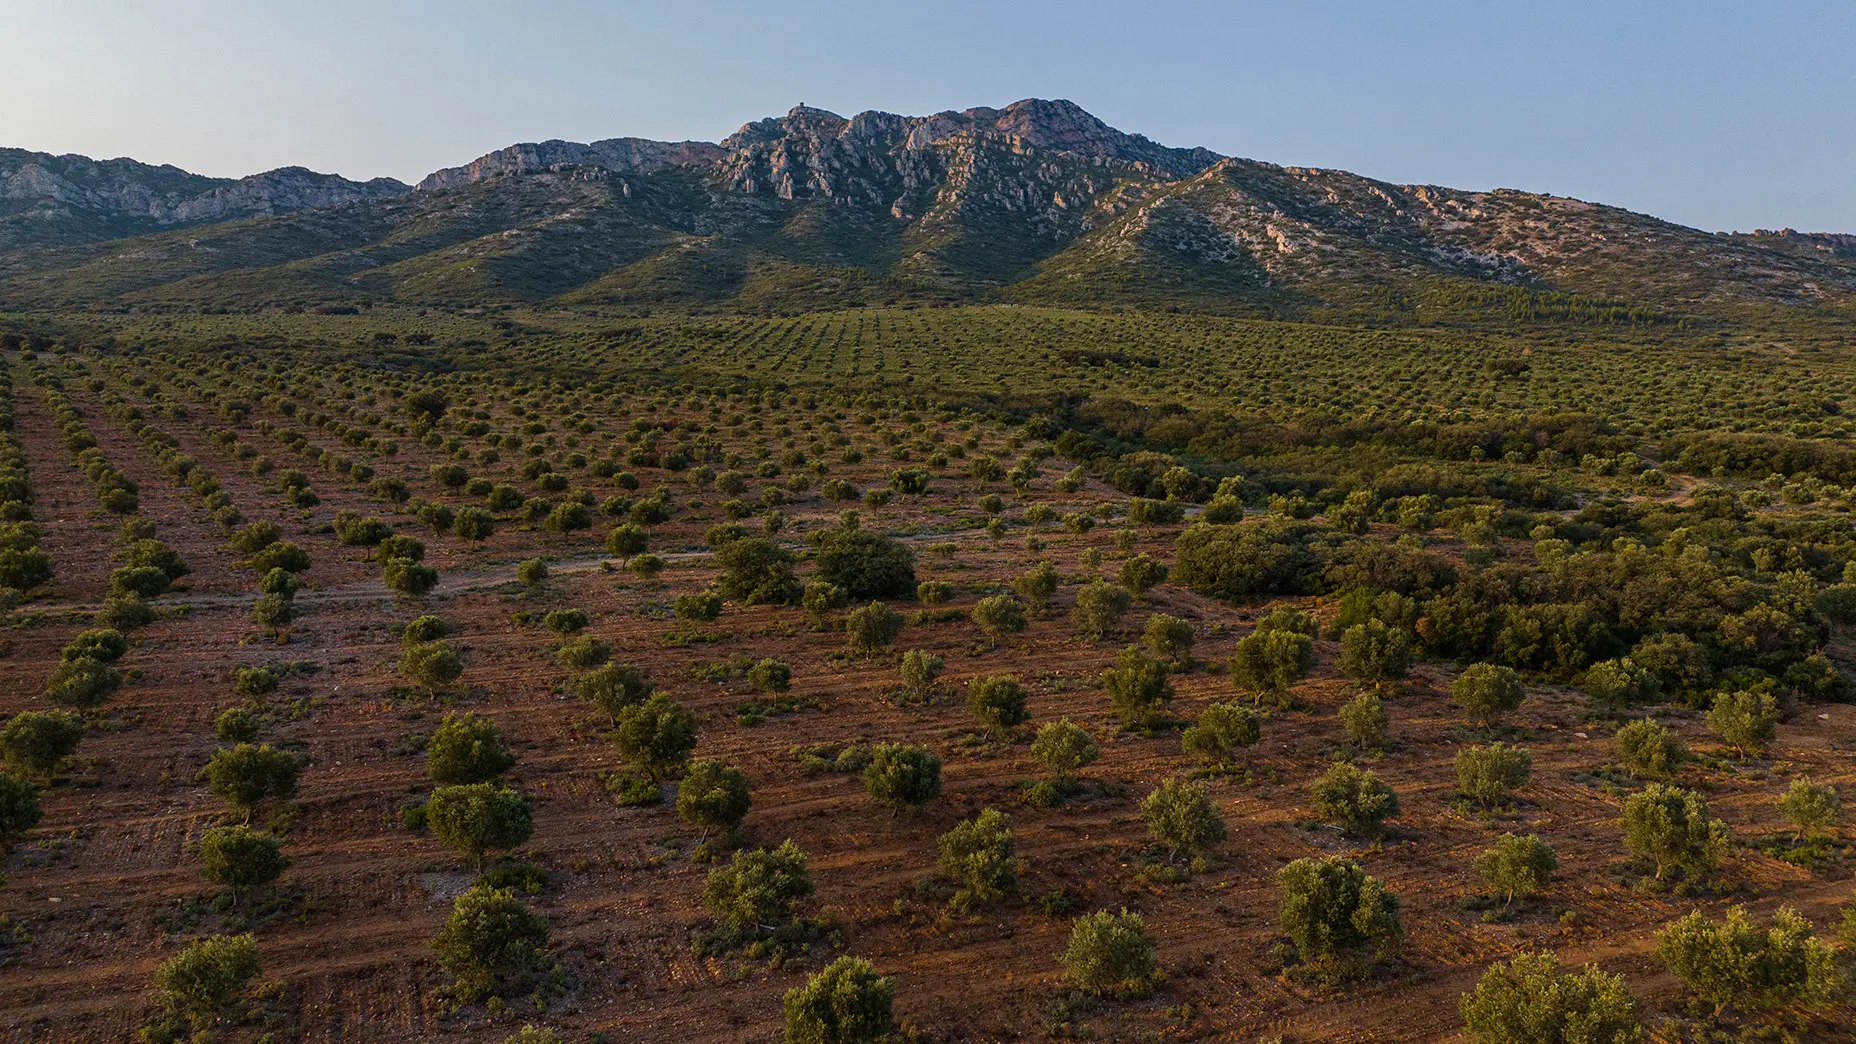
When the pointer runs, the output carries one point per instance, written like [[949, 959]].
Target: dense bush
[[1529, 1000], [1354, 800], [1110, 953], [466, 749], [1181, 817], [978, 856], [474, 818], [900, 776], [866, 564], [492, 945], [847, 1003], [1670, 827], [1338, 918]]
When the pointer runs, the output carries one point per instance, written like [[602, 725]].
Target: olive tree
[[466, 749], [1670, 827], [919, 671], [19, 808], [613, 687], [197, 988], [1222, 730], [241, 858], [977, 854], [474, 818], [1137, 687], [1141, 574], [1181, 816], [1734, 963], [1268, 662], [872, 627], [1745, 721], [656, 736], [713, 796], [1491, 774], [246, 776], [1339, 918], [1037, 586], [1363, 718], [1373, 652], [1354, 800], [1064, 748], [998, 702], [35, 742], [1650, 750], [847, 1003], [431, 665], [492, 945], [758, 889], [999, 615], [1517, 866], [1099, 608], [1810, 807], [1529, 1000], [1169, 638], [900, 776], [1110, 953], [1487, 691]]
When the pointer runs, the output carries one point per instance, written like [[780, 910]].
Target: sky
[[1722, 115]]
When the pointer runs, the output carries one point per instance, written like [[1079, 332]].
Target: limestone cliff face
[[46, 199], [621, 155]]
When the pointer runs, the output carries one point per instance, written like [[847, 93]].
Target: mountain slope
[[48, 200], [1037, 202]]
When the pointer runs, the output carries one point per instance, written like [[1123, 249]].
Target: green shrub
[[1374, 652], [998, 702], [19, 808], [198, 987], [613, 687], [1222, 730], [847, 1003], [1169, 638], [1746, 721], [758, 888], [1810, 807], [872, 627], [1181, 816], [1491, 774], [866, 564], [713, 796], [1110, 954], [1733, 963], [900, 776], [1268, 662], [1137, 687], [1354, 800], [35, 742], [491, 945], [466, 749], [656, 736], [1529, 1000], [1364, 720], [1339, 919], [756, 571], [1650, 750], [1064, 748], [1517, 866], [919, 671], [1098, 610], [246, 776], [999, 615], [1670, 827], [474, 818], [240, 858], [978, 856], [1487, 691]]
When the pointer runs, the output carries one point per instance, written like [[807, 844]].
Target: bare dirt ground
[[103, 883]]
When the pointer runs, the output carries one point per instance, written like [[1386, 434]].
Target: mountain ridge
[[1035, 202]]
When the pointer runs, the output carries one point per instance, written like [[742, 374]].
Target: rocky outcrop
[[47, 199], [621, 155]]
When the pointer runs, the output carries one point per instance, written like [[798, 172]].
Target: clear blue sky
[[1724, 115]]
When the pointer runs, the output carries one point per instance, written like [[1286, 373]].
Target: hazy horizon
[[1722, 116]]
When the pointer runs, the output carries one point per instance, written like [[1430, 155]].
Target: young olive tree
[[847, 1003], [713, 796], [1489, 775], [656, 736], [1339, 918], [900, 776], [1517, 866], [1670, 827], [977, 854], [492, 945], [1222, 730], [998, 702], [1529, 1000], [1137, 687], [1354, 800], [1733, 963], [474, 818], [1110, 954], [1181, 816], [1268, 662], [466, 749], [1487, 691]]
